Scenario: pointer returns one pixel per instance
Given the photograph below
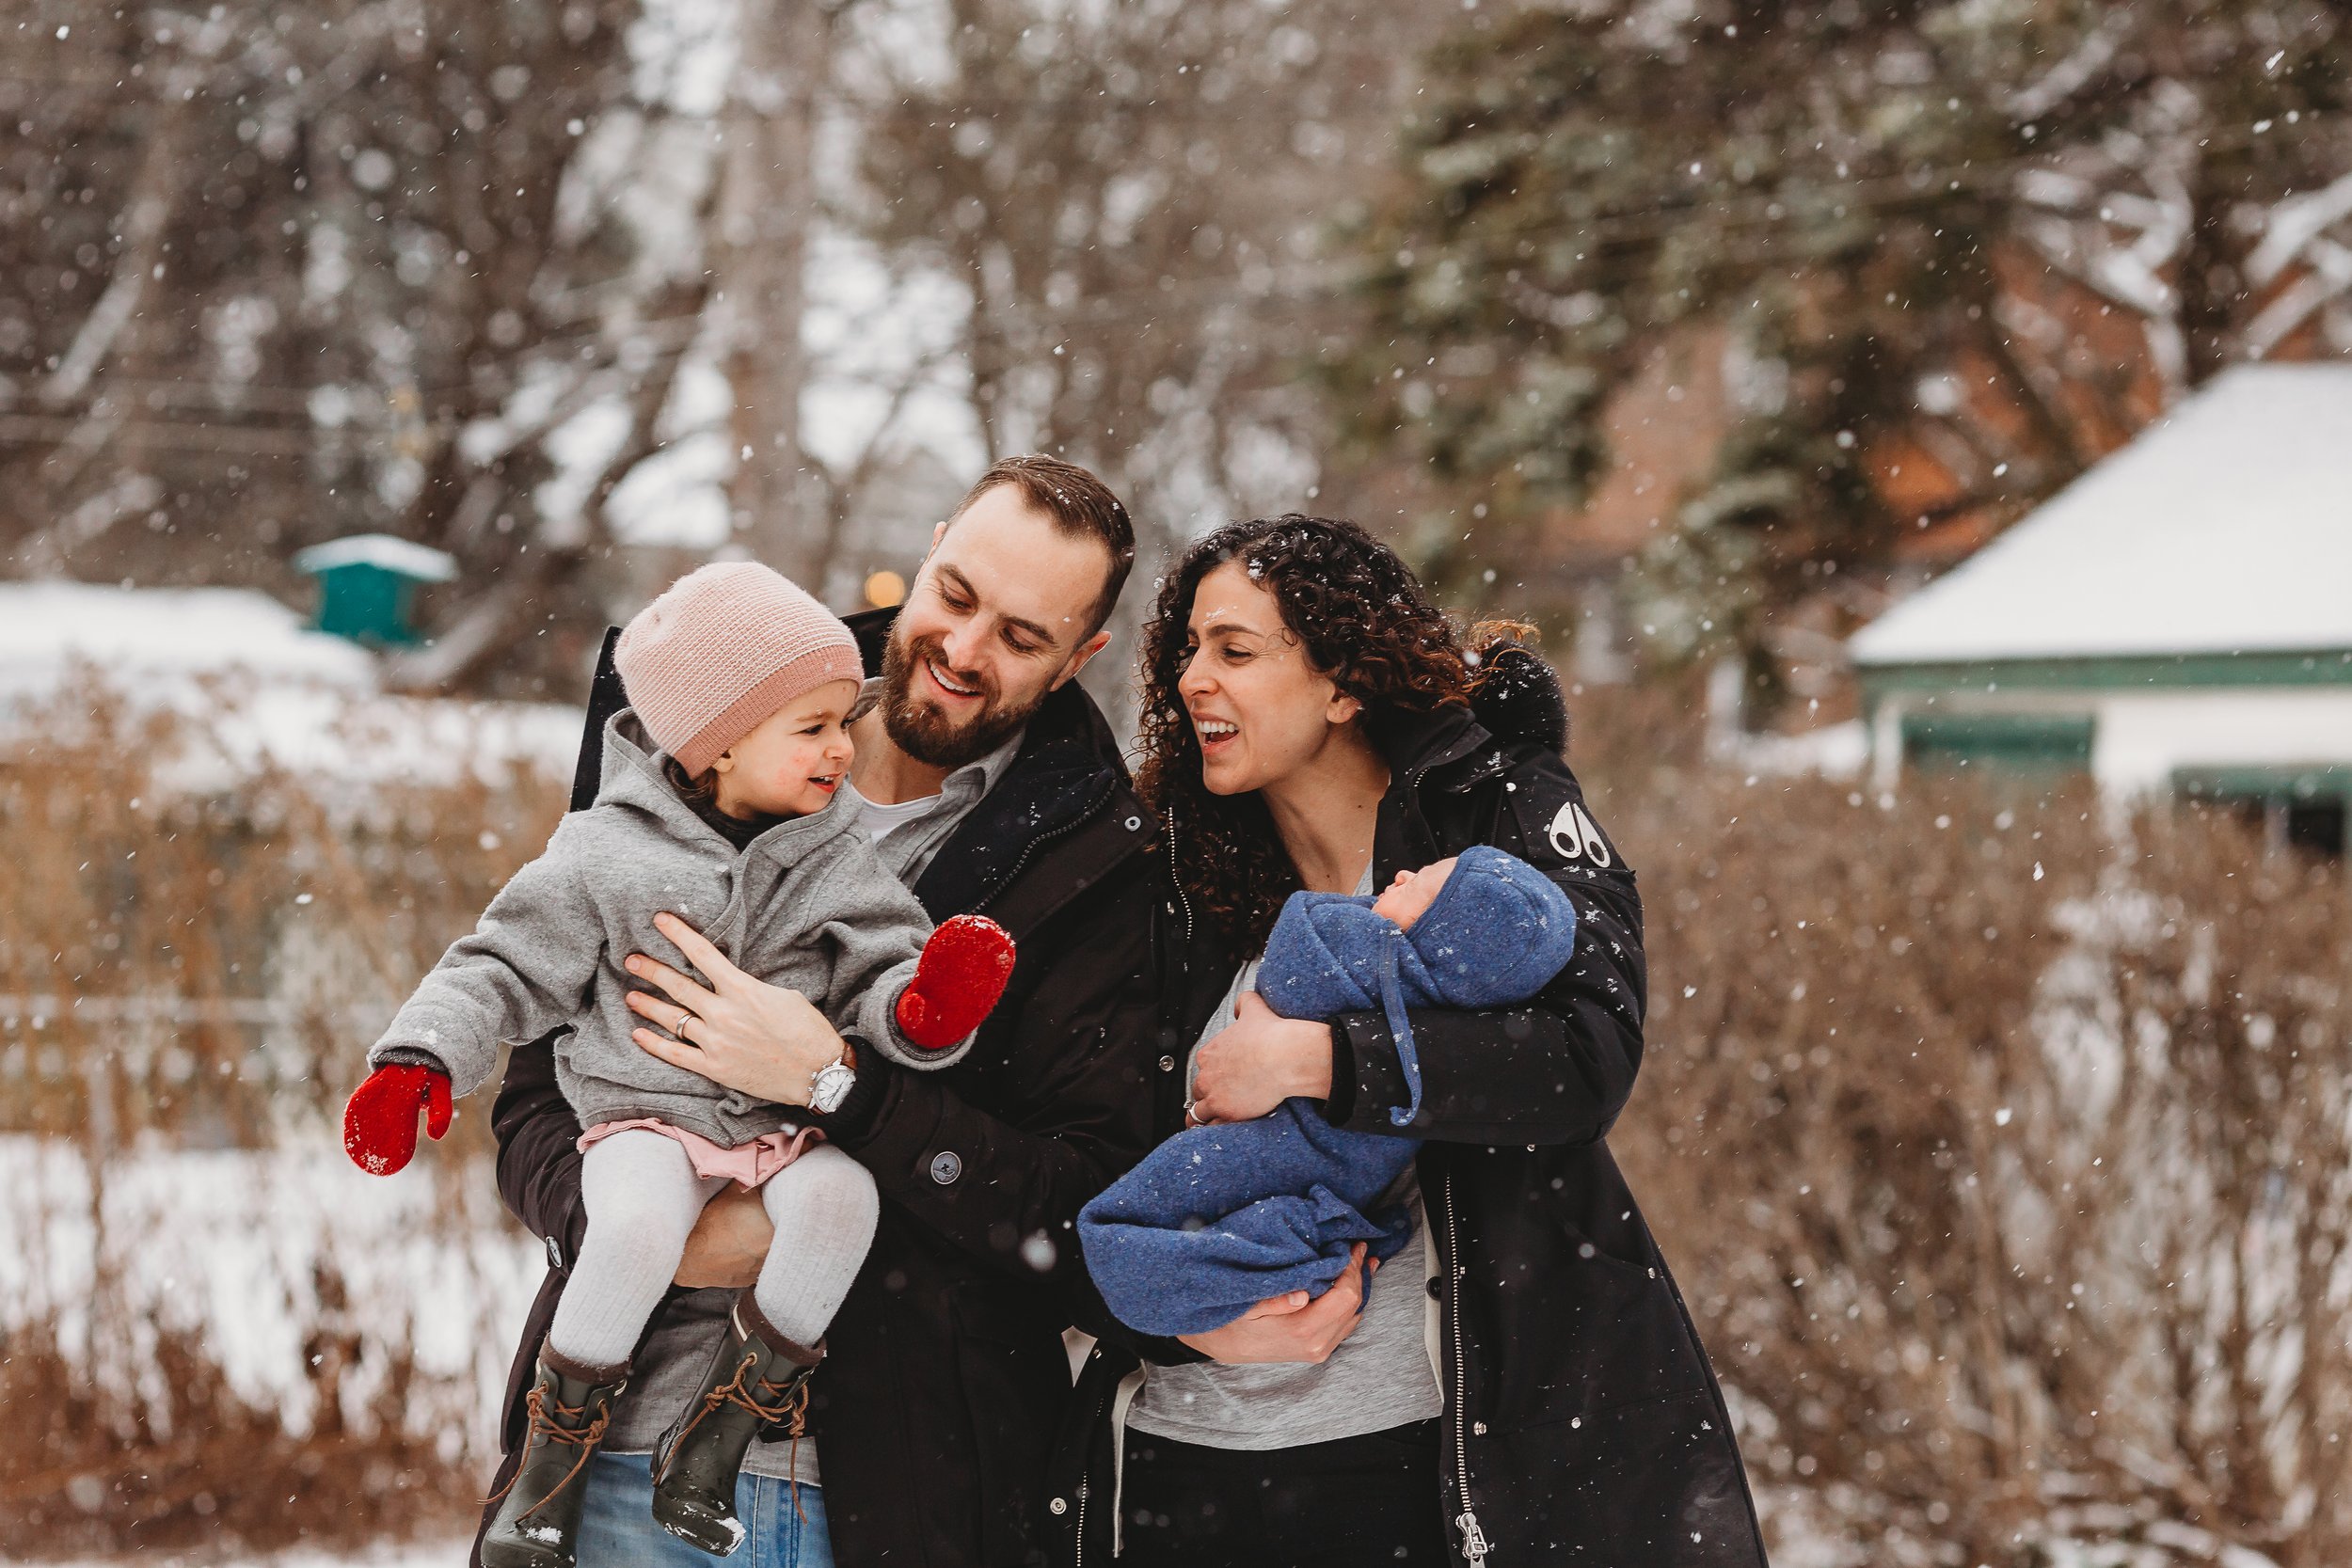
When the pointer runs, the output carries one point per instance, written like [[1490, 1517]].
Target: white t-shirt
[[880, 821]]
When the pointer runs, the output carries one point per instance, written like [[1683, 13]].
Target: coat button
[[1433, 1290], [1057, 1506], [946, 1166], [555, 1254], [1478, 1429], [1167, 1064]]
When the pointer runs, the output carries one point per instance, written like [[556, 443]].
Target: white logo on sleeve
[[1574, 837]]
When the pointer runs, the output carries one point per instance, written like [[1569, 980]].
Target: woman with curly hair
[[1521, 1378]]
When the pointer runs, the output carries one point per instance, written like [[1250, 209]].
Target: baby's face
[[1409, 897], [793, 762]]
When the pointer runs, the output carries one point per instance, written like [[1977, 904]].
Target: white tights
[[643, 1197]]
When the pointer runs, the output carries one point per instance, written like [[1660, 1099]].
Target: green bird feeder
[[368, 586]]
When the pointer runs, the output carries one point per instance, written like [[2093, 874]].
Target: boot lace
[[786, 1405], [540, 1425]]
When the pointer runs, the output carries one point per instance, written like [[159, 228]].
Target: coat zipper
[[1030, 849], [1085, 1483], [1474, 1543], [1475, 1546]]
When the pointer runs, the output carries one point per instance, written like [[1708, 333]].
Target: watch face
[[830, 1087]]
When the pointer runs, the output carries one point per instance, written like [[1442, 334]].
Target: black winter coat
[[1582, 1423], [935, 1410]]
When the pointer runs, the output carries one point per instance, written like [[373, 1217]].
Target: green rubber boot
[[538, 1517], [757, 1383]]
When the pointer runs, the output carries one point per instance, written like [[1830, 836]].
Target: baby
[[716, 804], [1219, 1218]]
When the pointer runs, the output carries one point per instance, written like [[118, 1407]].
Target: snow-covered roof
[[2225, 528], [130, 635], [395, 554]]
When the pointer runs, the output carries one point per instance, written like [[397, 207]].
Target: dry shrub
[[2035, 1122], [206, 965], [72, 1479], [200, 967]]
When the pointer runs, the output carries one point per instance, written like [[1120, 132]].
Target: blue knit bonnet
[[1497, 932]]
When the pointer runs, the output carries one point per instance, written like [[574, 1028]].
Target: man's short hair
[[1081, 506]]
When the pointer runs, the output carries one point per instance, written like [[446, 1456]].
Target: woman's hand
[[729, 1241], [1245, 1071], [1291, 1328], [763, 1040]]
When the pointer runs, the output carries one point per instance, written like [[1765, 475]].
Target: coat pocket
[[1580, 1335], [1655, 1483]]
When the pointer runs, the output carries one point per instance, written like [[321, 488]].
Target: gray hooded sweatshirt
[[808, 904]]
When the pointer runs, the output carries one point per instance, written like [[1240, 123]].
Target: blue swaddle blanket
[[1219, 1218]]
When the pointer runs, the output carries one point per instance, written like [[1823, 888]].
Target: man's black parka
[[935, 1410], [1582, 1424]]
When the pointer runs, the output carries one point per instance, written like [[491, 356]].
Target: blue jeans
[[616, 1527]]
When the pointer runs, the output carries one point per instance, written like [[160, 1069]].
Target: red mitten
[[380, 1119], [961, 974]]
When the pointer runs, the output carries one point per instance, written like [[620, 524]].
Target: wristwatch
[[831, 1084]]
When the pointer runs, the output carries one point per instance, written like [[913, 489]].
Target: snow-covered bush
[[210, 1327], [2003, 1156]]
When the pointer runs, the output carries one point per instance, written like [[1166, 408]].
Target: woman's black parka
[[1582, 1423]]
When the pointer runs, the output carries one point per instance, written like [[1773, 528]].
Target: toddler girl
[[716, 804]]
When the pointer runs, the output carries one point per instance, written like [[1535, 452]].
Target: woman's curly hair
[[1362, 617]]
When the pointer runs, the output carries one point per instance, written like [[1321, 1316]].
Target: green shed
[[2179, 619], [367, 584]]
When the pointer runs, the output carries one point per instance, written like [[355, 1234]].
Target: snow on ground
[[231, 729], [251, 1252], [408, 740], [142, 634], [254, 687]]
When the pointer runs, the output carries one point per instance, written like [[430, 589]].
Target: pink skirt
[[750, 1163]]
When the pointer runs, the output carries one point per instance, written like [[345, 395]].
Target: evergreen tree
[[1984, 238]]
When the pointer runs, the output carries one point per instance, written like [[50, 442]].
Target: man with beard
[[991, 784]]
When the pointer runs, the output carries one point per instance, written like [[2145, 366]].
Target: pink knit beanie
[[718, 653]]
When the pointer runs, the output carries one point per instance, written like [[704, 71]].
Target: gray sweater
[[809, 904]]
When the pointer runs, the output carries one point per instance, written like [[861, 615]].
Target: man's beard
[[920, 730]]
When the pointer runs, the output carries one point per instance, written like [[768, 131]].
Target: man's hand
[[1291, 1328], [763, 1040], [728, 1243], [1247, 1070]]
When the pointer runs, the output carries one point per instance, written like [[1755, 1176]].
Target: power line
[[40, 430]]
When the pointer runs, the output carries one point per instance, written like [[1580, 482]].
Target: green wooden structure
[[2179, 619], [368, 585]]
